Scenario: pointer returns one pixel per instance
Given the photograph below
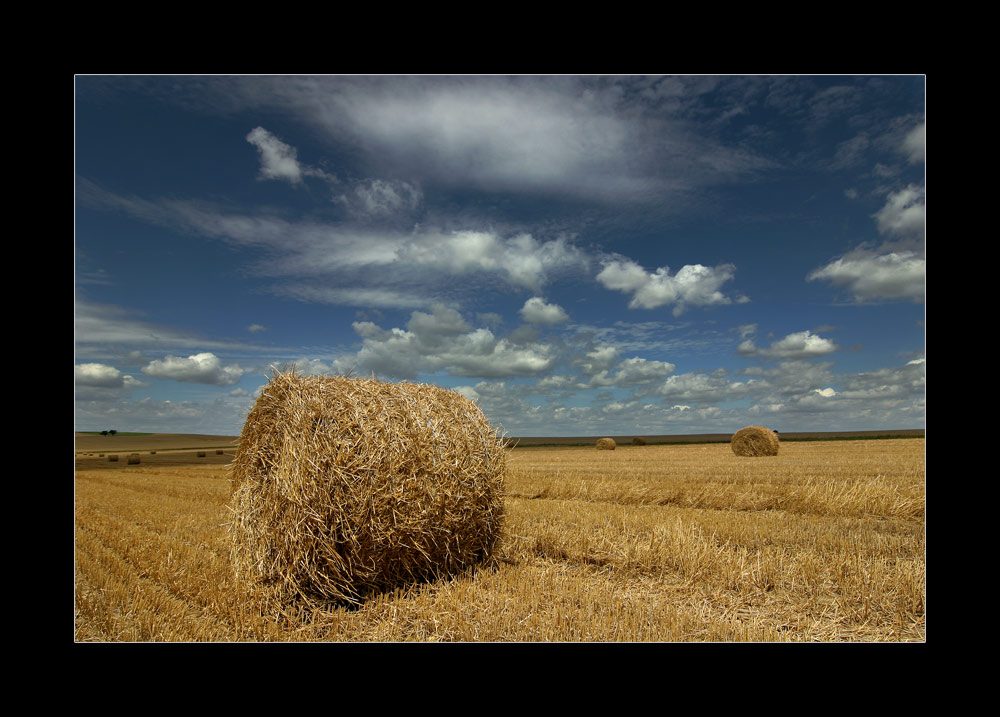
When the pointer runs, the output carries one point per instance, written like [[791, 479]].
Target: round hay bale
[[345, 487], [113, 458], [755, 441], [219, 452], [637, 441], [201, 454], [133, 459], [606, 444]]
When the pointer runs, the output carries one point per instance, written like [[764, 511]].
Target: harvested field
[[824, 542]]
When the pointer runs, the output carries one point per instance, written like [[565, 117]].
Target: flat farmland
[[824, 542]]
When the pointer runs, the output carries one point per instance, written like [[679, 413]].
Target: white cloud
[[100, 382], [871, 274], [895, 270], [693, 285], [536, 311], [97, 375], [442, 341], [381, 198], [204, 368], [825, 392], [277, 159], [522, 260], [801, 345], [700, 388], [915, 143], [631, 372], [497, 135], [904, 213], [599, 358]]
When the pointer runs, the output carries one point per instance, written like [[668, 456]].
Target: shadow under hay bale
[[606, 444], [345, 487], [754, 441]]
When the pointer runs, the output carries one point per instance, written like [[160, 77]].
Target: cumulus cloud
[[631, 372], [442, 340], [100, 382], [204, 368], [700, 388], [98, 375], [536, 311], [871, 274], [599, 358], [904, 213], [693, 285], [801, 345], [895, 270]]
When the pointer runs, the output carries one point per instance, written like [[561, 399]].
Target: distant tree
[[104, 433], [112, 431]]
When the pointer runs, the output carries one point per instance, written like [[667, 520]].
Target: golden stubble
[[822, 543]]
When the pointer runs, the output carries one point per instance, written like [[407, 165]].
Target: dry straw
[[606, 444], [344, 487], [755, 441]]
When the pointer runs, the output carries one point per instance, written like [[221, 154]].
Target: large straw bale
[[606, 444], [755, 441], [344, 487]]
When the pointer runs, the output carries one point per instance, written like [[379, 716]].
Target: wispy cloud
[[279, 160]]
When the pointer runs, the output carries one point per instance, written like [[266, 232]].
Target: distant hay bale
[[201, 454], [133, 459], [606, 444], [637, 441], [113, 458], [345, 487], [219, 452], [152, 453], [755, 441]]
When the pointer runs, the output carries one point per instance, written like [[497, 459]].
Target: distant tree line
[[109, 433]]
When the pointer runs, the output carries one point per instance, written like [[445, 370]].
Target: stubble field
[[660, 543]]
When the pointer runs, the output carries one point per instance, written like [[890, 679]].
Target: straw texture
[[344, 487], [755, 441], [606, 444]]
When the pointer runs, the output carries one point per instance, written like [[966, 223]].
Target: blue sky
[[582, 255]]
